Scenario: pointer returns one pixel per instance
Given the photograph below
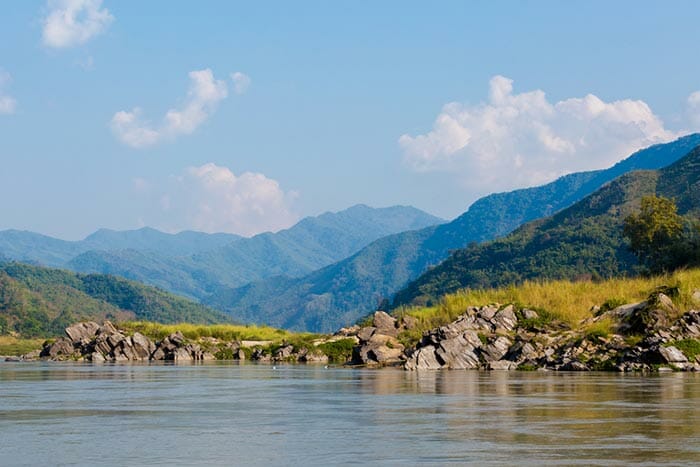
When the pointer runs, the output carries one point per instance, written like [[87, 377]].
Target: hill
[[340, 293], [583, 241], [38, 301]]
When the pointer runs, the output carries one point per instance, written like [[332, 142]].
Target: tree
[[656, 234]]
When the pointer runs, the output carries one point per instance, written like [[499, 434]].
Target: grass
[[567, 301], [228, 332], [18, 346]]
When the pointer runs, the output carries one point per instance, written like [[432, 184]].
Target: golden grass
[[570, 302], [228, 332], [10, 345]]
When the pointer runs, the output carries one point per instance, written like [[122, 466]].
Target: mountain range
[[584, 240], [194, 264], [339, 294]]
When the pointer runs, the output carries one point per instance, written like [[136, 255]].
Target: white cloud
[[694, 109], [212, 198], [202, 98], [517, 140], [74, 22], [7, 103], [241, 82]]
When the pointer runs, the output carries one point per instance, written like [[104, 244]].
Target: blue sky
[[431, 104]]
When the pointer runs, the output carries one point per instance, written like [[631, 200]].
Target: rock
[[312, 356], [487, 313], [423, 359], [385, 324], [33, 355], [96, 357], [82, 331], [409, 322], [502, 365], [696, 297], [283, 353], [240, 355], [671, 354], [530, 314], [505, 319], [457, 353], [574, 365], [496, 349], [13, 358], [143, 346], [349, 331], [385, 355], [365, 334], [61, 348]]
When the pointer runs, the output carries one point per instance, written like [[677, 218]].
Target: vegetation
[[561, 300], [582, 242], [10, 345], [42, 302], [227, 332]]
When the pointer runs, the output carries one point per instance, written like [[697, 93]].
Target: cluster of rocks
[[378, 344], [497, 337], [98, 343]]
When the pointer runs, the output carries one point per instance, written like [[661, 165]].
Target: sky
[[243, 117]]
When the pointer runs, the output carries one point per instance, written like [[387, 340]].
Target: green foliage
[[339, 351], [18, 346], [582, 242], [655, 233], [37, 301]]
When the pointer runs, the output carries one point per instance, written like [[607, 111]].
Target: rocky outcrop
[[378, 343], [99, 343], [502, 338]]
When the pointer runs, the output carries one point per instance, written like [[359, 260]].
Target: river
[[246, 414]]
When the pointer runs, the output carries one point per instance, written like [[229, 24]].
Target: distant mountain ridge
[[342, 292], [42, 249], [195, 264], [582, 240]]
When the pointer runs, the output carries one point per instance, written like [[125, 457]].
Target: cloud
[[241, 82], [211, 198], [516, 140], [7, 103], [202, 98], [74, 22]]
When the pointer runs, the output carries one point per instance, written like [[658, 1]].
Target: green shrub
[[339, 351]]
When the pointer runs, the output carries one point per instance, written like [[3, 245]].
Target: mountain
[[312, 243], [41, 249], [584, 240], [38, 301], [342, 292], [151, 240]]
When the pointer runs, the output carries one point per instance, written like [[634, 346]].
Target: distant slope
[[38, 301], [41, 249], [339, 294], [583, 240], [312, 243]]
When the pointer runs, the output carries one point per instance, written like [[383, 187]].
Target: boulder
[[82, 331], [671, 354], [496, 349], [505, 319], [423, 359], [502, 365], [385, 324]]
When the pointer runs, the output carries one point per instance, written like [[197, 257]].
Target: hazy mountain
[[339, 294], [312, 243], [41, 249]]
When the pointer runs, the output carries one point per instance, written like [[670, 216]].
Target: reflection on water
[[228, 414]]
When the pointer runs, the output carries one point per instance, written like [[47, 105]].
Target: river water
[[231, 414]]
